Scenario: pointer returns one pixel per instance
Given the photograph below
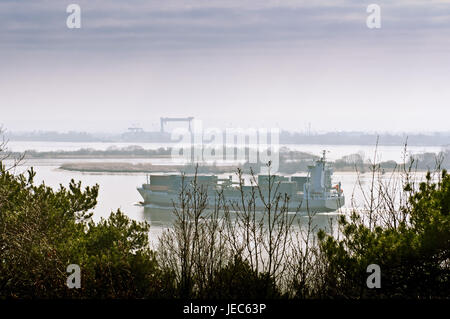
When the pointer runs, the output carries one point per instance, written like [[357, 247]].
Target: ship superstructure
[[314, 192]]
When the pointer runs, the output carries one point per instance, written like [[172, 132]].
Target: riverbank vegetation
[[291, 162]]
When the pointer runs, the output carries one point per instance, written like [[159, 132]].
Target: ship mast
[[324, 152]]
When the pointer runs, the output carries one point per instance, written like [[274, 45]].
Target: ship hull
[[169, 199]]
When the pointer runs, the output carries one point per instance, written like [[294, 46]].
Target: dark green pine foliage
[[414, 256]]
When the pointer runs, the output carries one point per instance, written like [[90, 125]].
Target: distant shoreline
[[438, 138], [144, 168], [75, 157], [122, 167], [290, 161]]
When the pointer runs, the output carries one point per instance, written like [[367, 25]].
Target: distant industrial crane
[[164, 120]]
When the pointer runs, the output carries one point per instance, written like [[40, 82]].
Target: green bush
[[414, 257], [43, 231]]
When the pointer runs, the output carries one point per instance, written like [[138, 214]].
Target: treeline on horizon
[[286, 137], [291, 161]]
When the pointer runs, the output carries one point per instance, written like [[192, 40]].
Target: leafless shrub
[[205, 239], [273, 238], [5, 154]]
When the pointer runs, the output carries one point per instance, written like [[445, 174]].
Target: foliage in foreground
[[414, 253], [42, 231]]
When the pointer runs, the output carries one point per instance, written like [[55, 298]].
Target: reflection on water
[[162, 218], [159, 216]]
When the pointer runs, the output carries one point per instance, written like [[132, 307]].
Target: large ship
[[313, 192]]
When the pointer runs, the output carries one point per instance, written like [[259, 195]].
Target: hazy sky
[[228, 62]]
